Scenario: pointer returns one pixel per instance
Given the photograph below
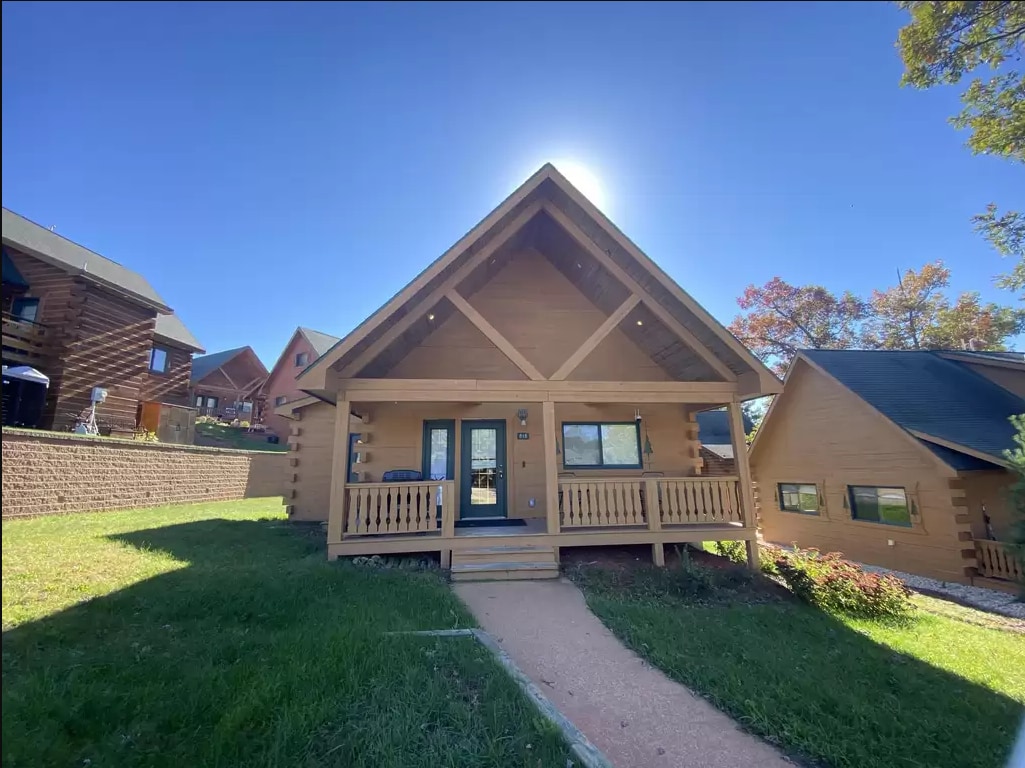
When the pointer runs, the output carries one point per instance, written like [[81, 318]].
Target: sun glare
[[585, 180]]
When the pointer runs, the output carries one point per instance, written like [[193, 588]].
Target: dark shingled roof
[[201, 366], [321, 342], [27, 236], [926, 393], [714, 431], [172, 328]]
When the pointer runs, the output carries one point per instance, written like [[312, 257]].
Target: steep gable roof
[[171, 327], [321, 342], [550, 205], [201, 366], [935, 399], [27, 236]]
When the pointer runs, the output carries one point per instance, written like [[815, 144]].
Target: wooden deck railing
[[699, 500], [24, 341], [602, 502], [997, 560], [383, 508], [631, 502]]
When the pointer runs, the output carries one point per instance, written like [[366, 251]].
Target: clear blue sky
[[267, 166]]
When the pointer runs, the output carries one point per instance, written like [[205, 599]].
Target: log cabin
[[86, 321], [533, 388], [229, 385], [305, 346], [895, 459]]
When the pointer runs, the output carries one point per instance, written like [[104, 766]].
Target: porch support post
[[339, 473], [551, 468], [653, 509], [747, 502]]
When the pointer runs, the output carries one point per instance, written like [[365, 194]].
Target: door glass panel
[[438, 466], [483, 466]]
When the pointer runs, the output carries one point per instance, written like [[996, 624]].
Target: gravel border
[[992, 600]]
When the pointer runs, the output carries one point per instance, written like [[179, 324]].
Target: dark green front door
[[482, 469]]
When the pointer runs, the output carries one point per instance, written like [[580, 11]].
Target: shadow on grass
[[259, 652], [803, 679]]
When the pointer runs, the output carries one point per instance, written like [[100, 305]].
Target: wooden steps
[[505, 561]]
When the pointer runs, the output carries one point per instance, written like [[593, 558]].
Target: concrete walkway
[[631, 711]]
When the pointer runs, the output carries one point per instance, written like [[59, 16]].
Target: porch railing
[[630, 502], [388, 508], [24, 341], [997, 560]]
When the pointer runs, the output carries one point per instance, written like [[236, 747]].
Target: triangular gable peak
[[638, 310]]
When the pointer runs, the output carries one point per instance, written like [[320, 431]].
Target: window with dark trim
[[439, 449], [25, 309], [280, 399], [601, 445], [879, 504], [158, 357], [799, 497], [302, 358]]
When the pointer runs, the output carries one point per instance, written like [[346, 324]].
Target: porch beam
[[724, 389], [596, 338], [422, 307], [633, 286], [747, 501], [339, 473], [696, 397], [493, 335], [231, 381]]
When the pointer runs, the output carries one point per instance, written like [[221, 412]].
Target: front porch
[[488, 461]]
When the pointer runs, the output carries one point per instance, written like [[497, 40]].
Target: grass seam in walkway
[[579, 744]]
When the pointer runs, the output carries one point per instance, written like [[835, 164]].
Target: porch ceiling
[[547, 237]]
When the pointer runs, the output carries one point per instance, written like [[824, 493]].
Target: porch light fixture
[[640, 322], [521, 414], [430, 318]]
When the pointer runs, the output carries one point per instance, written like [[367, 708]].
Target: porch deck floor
[[534, 525]]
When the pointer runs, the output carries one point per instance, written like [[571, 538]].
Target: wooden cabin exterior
[[229, 385], [305, 346], [534, 388], [920, 432], [84, 321]]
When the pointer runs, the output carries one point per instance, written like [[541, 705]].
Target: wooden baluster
[[352, 504], [566, 492], [709, 499], [699, 507], [635, 502], [587, 498], [616, 503], [376, 513]]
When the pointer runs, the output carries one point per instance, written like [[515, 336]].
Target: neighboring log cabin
[[229, 385], [305, 346], [895, 459], [86, 321], [534, 388]]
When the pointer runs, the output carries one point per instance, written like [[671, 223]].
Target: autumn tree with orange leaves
[[916, 313]]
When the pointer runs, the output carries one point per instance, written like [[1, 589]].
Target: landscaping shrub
[[839, 586], [206, 419], [244, 424], [731, 550]]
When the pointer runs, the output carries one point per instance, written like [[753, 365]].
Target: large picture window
[[799, 497], [879, 504], [601, 445]]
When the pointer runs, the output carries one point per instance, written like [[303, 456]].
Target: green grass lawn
[[224, 436], [218, 634], [942, 693]]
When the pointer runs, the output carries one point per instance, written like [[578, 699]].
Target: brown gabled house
[[895, 459], [228, 385], [305, 346], [86, 321], [533, 388]]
